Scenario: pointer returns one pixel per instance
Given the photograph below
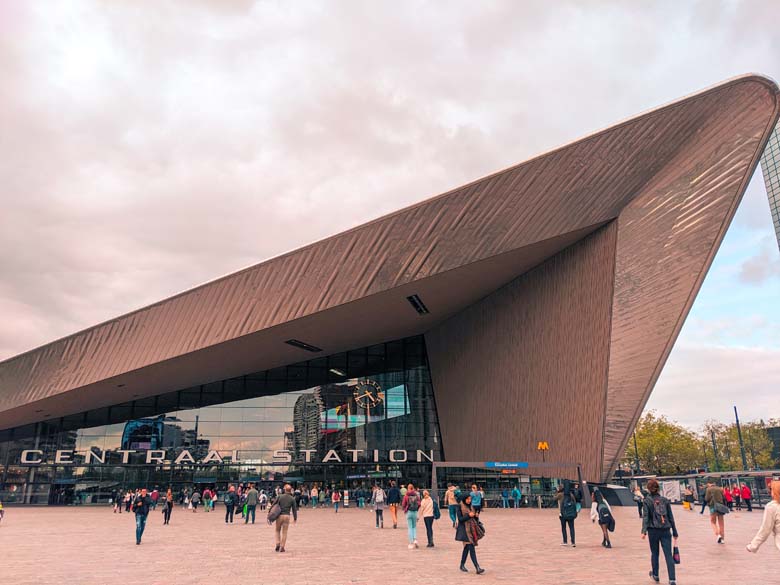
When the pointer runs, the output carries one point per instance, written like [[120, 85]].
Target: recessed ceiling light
[[302, 345], [338, 372], [418, 305]]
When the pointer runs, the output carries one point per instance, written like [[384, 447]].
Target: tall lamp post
[[741, 443], [636, 454]]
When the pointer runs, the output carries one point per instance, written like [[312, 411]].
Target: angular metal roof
[[350, 290]]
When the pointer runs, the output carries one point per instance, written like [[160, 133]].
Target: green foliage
[[668, 448]]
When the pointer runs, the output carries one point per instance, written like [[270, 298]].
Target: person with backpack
[[230, 503], [428, 512], [378, 501], [393, 501], [195, 500], [600, 510], [567, 503], [658, 524], [207, 500], [714, 498], [469, 532], [516, 496], [262, 499], [411, 505]]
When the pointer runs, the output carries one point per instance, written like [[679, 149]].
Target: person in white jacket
[[601, 512], [426, 511], [771, 521]]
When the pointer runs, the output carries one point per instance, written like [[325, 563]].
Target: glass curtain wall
[[359, 404]]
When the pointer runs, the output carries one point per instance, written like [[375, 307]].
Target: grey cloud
[[761, 267], [146, 149]]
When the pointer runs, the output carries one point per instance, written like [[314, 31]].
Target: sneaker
[[278, 546], [573, 545], [281, 549], [609, 544], [720, 539], [564, 544], [411, 546], [654, 577], [672, 582]]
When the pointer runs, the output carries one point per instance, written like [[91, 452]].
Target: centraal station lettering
[[281, 456]]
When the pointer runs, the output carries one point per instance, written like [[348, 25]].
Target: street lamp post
[[636, 454], [741, 443]]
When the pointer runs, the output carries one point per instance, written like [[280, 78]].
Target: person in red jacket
[[736, 494], [728, 498], [747, 495]]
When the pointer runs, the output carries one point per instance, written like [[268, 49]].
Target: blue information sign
[[506, 464]]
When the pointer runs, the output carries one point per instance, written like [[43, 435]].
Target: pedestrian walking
[[195, 500], [167, 508], [517, 496], [567, 507], [659, 526], [770, 525], [469, 532], [230, 503], [476, 498], [428, 514], [505, 498], [128, 500], [393, 501], [728, 498], [336, 499], [451, 501], [577, 491], [155, 495], [639, 498], [2, 511], [688, 498], [315, 496], [251, 503], [410, 505], [714, 496], [747, 496], [379, 502], [262, 500], [601, 512], [207, 500], [287, 506], [141, 508], [736, 495]]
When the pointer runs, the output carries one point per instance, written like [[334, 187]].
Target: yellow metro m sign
[[542, 446]]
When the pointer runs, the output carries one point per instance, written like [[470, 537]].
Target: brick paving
[[89, 546]]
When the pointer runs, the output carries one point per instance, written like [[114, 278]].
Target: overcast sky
[[147, 147]]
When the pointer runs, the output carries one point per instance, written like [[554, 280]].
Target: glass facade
[[345, 420], [770, 166]]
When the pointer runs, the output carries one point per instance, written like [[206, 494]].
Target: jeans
[[639, 506], [336, 505], [361, 502], [140, 524], [570, 523], [229, 508], [662, 536], [453, 508], [380, 518], [411, 524], [167, 515], [517, 502], [250, 510], [429, 528], [314, 501], [504, 502]]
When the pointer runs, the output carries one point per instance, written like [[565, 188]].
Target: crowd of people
[[464, 507]]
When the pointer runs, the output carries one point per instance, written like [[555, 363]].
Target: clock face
[[368, 394]]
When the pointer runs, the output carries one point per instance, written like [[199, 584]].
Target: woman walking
[[658, 523], [378, 501], [393, 500], [468, 532], [168, 507], [771, 521], [567, 503], [426, 511], [411, 505], [600, 510], [737, 497], [336, 498], [639, 498]]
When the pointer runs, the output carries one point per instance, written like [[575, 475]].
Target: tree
[[665, 447], [758, 444]]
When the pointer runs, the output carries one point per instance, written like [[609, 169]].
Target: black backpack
[[413, 502], [658, 512], [569, 508], [605, 516]]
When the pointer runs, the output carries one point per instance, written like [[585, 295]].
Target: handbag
[[274, 512], [720, 509], [676, 555]]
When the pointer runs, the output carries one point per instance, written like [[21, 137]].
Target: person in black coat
[[466, 516]]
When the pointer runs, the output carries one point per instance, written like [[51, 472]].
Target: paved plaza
[[88, 546]]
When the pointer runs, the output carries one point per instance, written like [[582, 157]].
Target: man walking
[[230, 503], [451, 501], [747, 496], [155, 495], [516, 495], [141, 508], [251, 503], [287, 504]]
